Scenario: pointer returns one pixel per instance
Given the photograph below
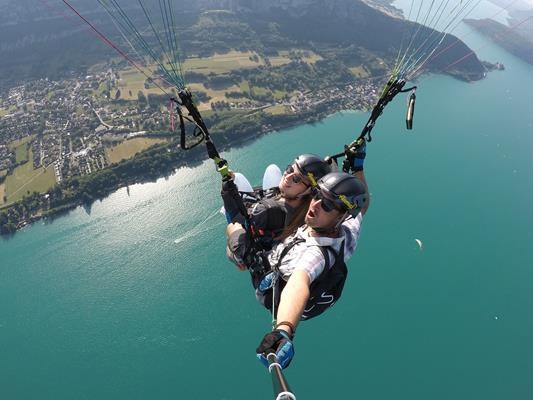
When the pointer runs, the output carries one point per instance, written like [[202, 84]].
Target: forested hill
[[42, 38], [505, 37], [353, 23]]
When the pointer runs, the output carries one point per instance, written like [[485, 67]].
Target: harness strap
[[325, 253], [285, 251]]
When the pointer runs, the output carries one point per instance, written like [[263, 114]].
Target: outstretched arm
[[291, 307], [293, 300]]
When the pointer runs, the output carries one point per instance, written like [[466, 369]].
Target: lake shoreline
[[52, 208], [224, 142]]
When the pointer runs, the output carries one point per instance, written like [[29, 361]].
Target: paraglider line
[[112, 45], [459, 40]]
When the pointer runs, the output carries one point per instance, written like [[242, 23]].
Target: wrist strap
[[289, 324]]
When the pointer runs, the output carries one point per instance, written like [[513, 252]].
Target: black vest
[[325, 290]]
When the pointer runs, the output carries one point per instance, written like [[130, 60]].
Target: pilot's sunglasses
[[327, 204]]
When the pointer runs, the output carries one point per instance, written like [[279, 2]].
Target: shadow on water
[[87, 207], [7, 236]]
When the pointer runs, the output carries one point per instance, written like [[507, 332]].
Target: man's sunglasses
[[296, 176], [327, 204]]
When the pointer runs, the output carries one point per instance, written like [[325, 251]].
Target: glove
[[267, 282], [278, 342], [356, 157]]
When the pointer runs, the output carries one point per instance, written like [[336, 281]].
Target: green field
[[129, 148], [101, 88], [2, 193], [360, 72], [276, 94], [21, 153], [13, 145], [215, 95], [245, 87], [4, 112], [21, 148], [258, 91], [221, 63], [26, 179], [280, 94], [235, 60], [132, 80], [278, 110], [283, 58]]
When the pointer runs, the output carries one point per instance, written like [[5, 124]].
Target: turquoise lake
[[134, 298]]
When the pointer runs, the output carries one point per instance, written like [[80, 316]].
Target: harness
[[325, 290], [267, 221], [266, 218]]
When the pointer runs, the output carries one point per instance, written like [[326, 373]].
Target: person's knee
[[233, 227], [235, 259]]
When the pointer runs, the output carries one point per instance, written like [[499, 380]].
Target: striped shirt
[[307, 256]]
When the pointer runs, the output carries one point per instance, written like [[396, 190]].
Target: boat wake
[[200, 228]]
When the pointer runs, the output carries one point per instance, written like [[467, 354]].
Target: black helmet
[[346, 191], [312, 167]]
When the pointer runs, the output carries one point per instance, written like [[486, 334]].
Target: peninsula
[[506, 37]]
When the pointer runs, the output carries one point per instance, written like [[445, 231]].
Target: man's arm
[[291, 307], [361, 176], [293, 300]]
